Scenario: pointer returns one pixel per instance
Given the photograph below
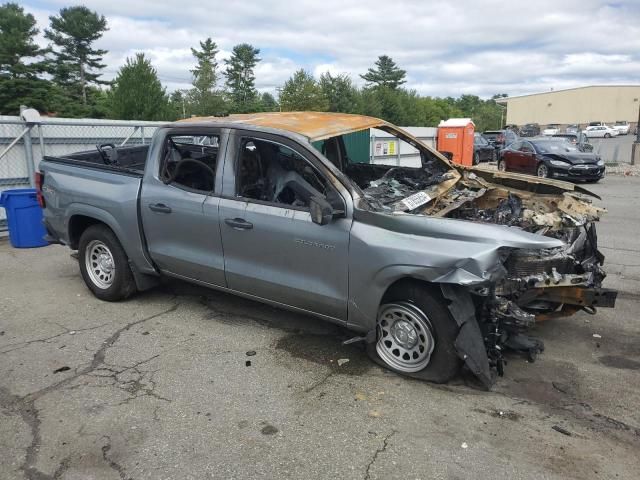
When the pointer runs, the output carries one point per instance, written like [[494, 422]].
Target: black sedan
[[483, 151], [552, 158]]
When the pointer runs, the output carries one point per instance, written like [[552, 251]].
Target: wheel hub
[[404, 334], [105, 262]]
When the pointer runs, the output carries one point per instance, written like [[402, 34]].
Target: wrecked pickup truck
[[435, 266]]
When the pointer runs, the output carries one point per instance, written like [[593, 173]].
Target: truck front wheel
[[416, 334], [104, 265]]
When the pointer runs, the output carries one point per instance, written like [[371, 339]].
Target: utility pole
[[502, 109], [635, 148]]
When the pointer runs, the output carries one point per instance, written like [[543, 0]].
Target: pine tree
[[137, 93], [240, 77], [21, 62], [302, 92], [386, 74], [76, 64], [204, 96]]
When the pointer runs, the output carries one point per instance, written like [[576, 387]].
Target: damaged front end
[[525, 286]]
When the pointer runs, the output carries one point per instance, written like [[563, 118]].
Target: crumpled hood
[[461, 230]]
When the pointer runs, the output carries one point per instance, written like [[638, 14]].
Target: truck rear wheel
[[104, 264], [416, 334]]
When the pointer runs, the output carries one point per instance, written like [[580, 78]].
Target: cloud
[[447, 48]]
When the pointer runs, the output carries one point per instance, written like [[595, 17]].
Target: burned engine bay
[[531, 285]]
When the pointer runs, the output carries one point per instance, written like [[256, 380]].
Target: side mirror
[[321, 210]]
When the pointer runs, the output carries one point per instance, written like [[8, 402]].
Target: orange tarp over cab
[[456, 136]]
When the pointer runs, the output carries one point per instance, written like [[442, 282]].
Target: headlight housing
[[558, 163], [601, 163]]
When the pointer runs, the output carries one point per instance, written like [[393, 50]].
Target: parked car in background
[[600, 131], [573, 128], [622, 126], [530, 130], [552, 158], [579, 139], [500, 139], [551, 129], [483, 151], [514, 128]]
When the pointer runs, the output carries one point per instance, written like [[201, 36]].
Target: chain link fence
[[24, 140]]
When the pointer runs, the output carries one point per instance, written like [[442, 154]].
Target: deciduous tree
[[302, 92], [340, 92], [268, 103]]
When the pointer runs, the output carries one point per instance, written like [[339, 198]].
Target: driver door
[[272, 248]]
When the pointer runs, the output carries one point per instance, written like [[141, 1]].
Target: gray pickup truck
[[434, 266]]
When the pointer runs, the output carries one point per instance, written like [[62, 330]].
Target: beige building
[[605, 103]]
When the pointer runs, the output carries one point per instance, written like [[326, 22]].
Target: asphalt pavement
[[186, 383]]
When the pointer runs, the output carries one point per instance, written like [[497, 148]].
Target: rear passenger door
[[182, 241], [512, 157], [272, 249]]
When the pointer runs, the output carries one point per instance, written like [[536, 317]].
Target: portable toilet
[[455, 136]]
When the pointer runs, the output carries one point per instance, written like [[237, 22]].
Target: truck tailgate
[[74, 192]]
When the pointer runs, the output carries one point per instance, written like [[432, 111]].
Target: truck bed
[[131, 160]]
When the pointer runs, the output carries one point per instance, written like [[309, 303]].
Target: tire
[[502, 165], [607, 135], [476, 158], [542, 171], [104, 264], [425, 311]]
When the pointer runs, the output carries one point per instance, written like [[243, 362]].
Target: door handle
[[238, 223], [160, 207]]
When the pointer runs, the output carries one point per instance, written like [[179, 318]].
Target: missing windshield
[[391, 169]]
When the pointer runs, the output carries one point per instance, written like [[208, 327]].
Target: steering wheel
[[184, 161], [105, 155]]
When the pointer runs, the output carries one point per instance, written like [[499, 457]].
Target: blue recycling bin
[[24, 217]]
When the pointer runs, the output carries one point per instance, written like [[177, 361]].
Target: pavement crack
[[319, 382], [583, 413], [112, 463], [25, 406], [67, 331], [381, 449]]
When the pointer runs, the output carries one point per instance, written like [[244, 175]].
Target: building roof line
[[505, 99]]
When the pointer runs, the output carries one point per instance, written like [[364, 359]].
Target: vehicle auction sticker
[[414, 201]]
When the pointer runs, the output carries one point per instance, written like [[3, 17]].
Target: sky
[[447, 48]]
